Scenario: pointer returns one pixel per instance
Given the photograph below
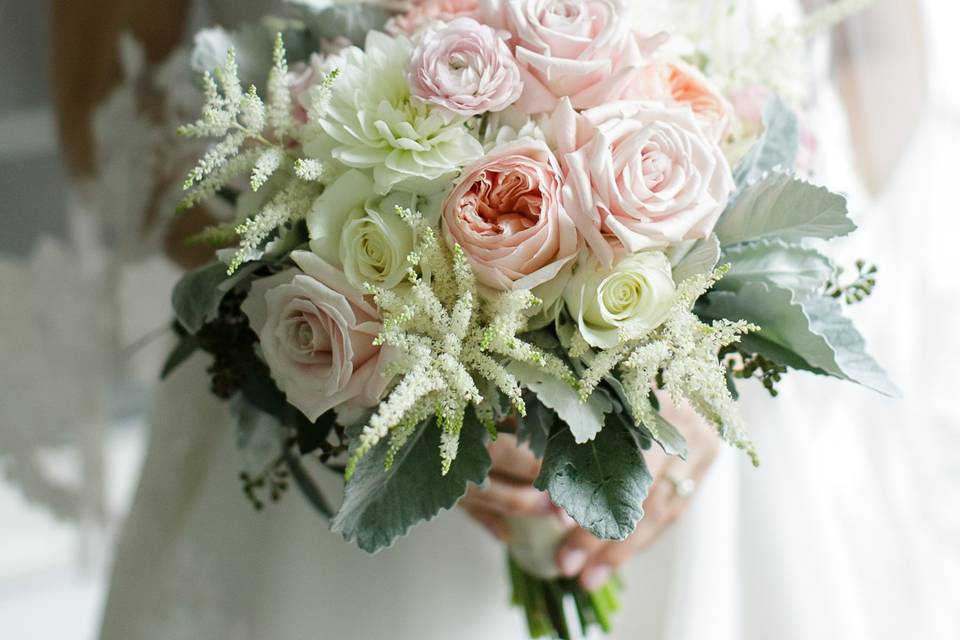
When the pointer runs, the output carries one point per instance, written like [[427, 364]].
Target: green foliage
[[380, 505], [858, 289], [197, 296], [695, 258], [792, 266], [777, 146], [585, 419], [602, 483], [667, 436], [801, 332], [743, 365], [783, 207]]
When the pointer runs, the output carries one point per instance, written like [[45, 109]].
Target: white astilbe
[[684, 352], [451, 343], [254, 138]]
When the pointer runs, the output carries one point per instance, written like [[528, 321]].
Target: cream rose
[[635, 294], [353, 228], [506, 214], [316, 333], [583, 49], [639, 175]]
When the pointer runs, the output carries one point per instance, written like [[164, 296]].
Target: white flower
[[359, 231], [635, 296], [372, 122]]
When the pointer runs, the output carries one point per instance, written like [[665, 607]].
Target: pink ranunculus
[[639, 175], [507, 216], [317, 334], [423, 12], [464, 67], [581, 49], [676, 82]]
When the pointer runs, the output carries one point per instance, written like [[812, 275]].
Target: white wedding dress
[[824, 540]]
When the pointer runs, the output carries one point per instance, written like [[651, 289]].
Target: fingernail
[[595, 577], [572, 561]]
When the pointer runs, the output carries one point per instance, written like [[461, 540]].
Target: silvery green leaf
[[782, 206], [197, 296], [694, 258], [602, 484], [259, 436], [801, 269], [803, 332], [381, 505], [668, 437], [585, 419], [777, 146], [332, 20]]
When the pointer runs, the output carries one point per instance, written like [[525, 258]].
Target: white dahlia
[[371, 122]]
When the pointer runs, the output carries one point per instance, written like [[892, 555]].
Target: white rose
[[636, 294], [353, 228]]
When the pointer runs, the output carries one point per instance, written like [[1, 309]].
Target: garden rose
[[506, 214], [639, 175], [423, 12], [464, 67], [317, 333], [636, 294], [683, 84], [583, 49]]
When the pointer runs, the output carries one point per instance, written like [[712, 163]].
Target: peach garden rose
[[507, 215]]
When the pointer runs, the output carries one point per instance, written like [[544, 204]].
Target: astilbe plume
[[254, 139], [683, 353], [451, 342]]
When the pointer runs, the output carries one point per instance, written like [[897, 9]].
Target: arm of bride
[[86, 67], [510, 492]]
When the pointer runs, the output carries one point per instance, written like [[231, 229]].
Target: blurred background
[[76, 377]]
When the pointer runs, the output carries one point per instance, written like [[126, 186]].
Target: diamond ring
[[683, 487]]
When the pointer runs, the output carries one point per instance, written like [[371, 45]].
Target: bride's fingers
[[491, 521], [512, 461], [575, 551], [507, 498]]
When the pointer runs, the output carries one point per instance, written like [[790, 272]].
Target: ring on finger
[[683, 487]]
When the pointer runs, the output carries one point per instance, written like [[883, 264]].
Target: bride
[[756, 554]]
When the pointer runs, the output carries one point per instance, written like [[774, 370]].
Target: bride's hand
[[510, 491]]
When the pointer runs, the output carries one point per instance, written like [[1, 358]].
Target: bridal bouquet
[[469, 217]]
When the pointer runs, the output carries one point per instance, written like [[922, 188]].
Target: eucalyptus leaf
[[777, 146], [381, 505], [795, 267], [602, 484], [185, 348], [782, 206], [585, 419], [332, 20], [694, 258]]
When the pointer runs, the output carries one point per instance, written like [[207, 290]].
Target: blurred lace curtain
[[75, 361]]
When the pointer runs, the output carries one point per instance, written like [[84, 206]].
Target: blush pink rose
[[678, 83], [507, 216], [302, 76], [464, 67], [317, 334], [639, 175], [423, 12], [582, 49]]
